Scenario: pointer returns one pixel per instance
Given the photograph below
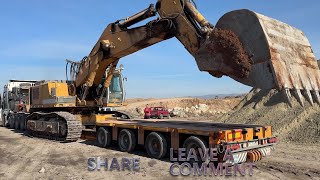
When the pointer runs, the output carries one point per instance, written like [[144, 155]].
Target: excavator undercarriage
[[59, 126]]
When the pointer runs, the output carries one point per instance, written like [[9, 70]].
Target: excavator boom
[[249, 47]]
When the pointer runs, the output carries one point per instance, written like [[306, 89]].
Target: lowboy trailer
[[248, 143]]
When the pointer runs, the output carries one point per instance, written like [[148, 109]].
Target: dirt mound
[[194, 108], [270, 107], [226, 43]]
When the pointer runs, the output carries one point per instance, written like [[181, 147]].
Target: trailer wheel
[[195, 143], [127, 140], [161, 116], [156, 145], [103, 137]]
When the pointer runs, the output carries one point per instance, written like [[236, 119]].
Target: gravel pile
[[270, 107]]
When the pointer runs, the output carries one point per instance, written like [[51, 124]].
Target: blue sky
[[36, 36]]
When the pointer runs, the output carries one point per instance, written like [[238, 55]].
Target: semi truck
[[15, 103]]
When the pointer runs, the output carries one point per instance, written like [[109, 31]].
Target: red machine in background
[[156, 112]]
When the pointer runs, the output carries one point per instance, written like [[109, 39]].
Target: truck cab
[[15, 95]]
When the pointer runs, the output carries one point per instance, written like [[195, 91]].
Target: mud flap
[[266, 151], [239, 158]]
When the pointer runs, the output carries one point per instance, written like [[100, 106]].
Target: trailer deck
[[241, 138]]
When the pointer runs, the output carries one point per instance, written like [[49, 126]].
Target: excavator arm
[[117, 41], [251, 48]]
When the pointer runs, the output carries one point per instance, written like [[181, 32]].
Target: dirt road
[[23, 157]]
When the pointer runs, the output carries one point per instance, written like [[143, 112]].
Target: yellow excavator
[[251, 48]]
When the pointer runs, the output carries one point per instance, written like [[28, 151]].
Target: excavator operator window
[[115, 85], [116, 89]]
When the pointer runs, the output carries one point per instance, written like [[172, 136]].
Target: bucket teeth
[[316, 96], [287, 94], [308, 96], [297, 94], [312, 96]]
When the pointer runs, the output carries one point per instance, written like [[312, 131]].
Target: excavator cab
[[112, 96], [115, 93]]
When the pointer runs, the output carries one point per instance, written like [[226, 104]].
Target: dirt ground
[[225, 104], [216, 107], [295, 123], [23, 157]]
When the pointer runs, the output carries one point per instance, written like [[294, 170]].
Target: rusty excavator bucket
[[280, 55]]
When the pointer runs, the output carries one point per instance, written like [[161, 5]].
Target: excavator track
[[43, 125]]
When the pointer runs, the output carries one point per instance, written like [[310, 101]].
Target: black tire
[[161, 116], [11, 122], [103, 137], [16, 120], [5, 121], [127, 140], [11, 125], [156, 145], [17, 124], [195, 142], [21, 123], [24, 125]]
